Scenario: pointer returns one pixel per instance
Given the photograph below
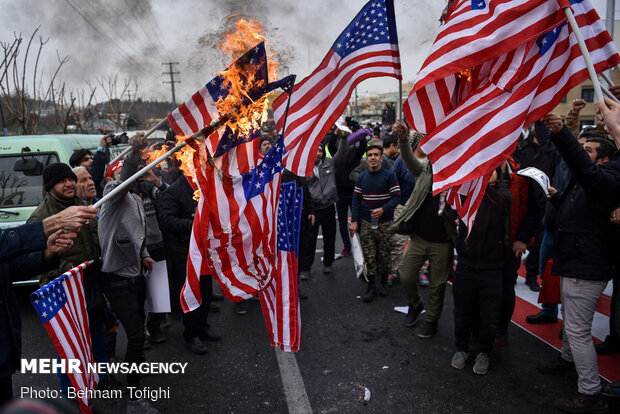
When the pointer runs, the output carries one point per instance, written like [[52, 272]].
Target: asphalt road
[[346, 345]]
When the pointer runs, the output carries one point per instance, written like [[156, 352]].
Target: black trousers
[[326, 220], [127, 297], [195, 322], [344, 202], [6, 390], [509, 277], [472, 288]]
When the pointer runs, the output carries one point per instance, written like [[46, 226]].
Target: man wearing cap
[[125, 260], [376, 195], [60, 182]]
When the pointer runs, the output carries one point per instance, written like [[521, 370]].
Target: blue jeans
[[98, 347], [546, 253]]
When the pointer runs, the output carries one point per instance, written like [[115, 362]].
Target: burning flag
[[234, 234]]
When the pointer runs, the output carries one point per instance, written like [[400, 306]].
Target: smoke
[[132, 38]]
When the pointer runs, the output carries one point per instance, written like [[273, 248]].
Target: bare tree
[[25, 106], [121, 97], [73, 110]]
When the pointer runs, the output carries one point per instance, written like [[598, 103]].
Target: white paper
[[535, 174], [402, 309], [358, 257], [157, 290]]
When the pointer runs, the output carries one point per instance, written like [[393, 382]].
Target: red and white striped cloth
[[506, 93], [474, 31], [367, 48], [61, 305]]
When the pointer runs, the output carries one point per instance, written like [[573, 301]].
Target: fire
[[465, 74], [246, 118], [184, 155]]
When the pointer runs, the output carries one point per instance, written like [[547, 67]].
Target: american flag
[[474, 31], [367, 48], [233, 153], [62, 308], [280, 301], [481, 130], [234, 227]]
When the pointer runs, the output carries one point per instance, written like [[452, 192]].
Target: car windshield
[[17, 189]]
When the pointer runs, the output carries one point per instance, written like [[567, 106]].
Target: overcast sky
[[134, 37]]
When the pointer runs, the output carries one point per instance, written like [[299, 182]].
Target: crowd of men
[[374, 183]]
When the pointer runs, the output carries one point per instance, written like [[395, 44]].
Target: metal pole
[[204, 132], [586, 55], [610, 18], [148, 133], [356, 110], [400, 101]]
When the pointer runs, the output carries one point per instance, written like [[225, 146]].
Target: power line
[[172, 81], [127, 55], [141, 25]]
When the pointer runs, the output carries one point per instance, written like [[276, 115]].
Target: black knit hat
[[55, 173]]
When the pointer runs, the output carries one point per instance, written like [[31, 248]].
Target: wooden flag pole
[[586, 55], [213, 126], [148, 133]]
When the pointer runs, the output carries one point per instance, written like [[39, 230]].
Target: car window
[[18, 189]]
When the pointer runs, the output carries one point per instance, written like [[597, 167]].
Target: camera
[[118, 138]]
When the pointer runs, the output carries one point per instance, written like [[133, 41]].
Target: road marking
[[294, 387]]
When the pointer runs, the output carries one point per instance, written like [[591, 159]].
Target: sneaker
[[327, 269], [370, 294], [423, 280], [533, 285], [241, 308], [346, 252], [147, 343], [413, 314], [459, 359], [383, 290], [140, 406], [428, 330], [304, 275], [557, 366], [611, 390], [393, 278], [481, 366], [581, 403]]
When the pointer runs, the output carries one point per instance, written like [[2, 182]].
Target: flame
[[465, 74], [244, 118], [247, 34]]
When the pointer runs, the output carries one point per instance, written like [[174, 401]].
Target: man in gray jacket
[[322, 188], [122, 235]]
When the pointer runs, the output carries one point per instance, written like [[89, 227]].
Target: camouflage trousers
[[377, 248]]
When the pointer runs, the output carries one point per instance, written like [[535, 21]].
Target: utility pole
[[172, 81]]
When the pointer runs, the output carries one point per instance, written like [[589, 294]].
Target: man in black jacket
[[583, 256], [477, 288], [176, 217], [343, 167]]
